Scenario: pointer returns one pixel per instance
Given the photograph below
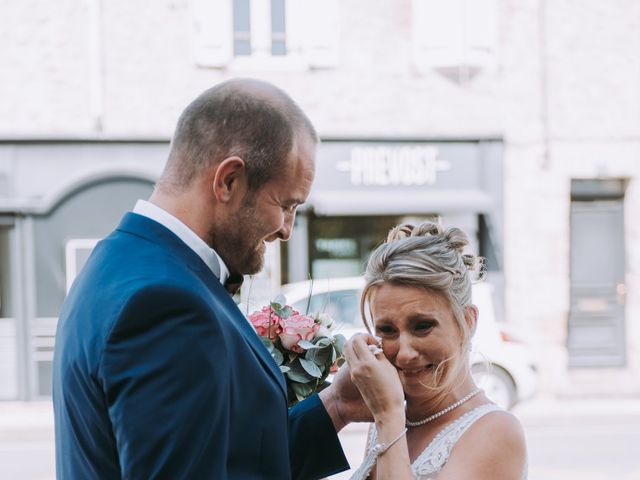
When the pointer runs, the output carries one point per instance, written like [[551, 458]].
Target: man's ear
[[471, 317], [229, 179]]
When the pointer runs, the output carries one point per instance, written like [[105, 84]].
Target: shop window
[[343, 306], [340, 246], [489, 244]]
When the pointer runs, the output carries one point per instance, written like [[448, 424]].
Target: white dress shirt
[[188, 236]]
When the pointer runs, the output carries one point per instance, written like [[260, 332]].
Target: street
[[26, 441], [567, 440]]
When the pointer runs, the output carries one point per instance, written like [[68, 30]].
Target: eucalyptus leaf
[[284, 368], [307, 345], [324, 341], [280, 300], [311, 368], [277, 356], [298, 377], [267, 343], [339, 341], [328, 365], [298, 373], [319, 356], [276, 306], [301, 390]]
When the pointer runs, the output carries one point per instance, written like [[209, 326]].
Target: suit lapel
[[240, 322], [156, 233]]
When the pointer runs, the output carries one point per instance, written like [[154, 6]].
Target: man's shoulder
[[136, 259], [123, 269]]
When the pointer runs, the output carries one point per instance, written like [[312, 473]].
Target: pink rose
[[261, 321], [296, 328]]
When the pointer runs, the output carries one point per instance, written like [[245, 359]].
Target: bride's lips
[[415, 372]]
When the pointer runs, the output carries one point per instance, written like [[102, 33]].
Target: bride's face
[[419, 331]]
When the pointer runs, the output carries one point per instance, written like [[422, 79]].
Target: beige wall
[[578, 116]]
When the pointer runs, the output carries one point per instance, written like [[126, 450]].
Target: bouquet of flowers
[[303, 346]]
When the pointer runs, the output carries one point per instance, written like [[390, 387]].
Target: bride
[[431, 420]]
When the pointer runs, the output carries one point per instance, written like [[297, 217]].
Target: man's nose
[[287, 226]]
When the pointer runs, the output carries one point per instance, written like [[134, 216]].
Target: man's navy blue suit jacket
[[157, 375]]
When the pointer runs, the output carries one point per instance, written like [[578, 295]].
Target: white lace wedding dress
[[434, 457]]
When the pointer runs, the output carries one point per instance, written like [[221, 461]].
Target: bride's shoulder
[[500, 425], [494, 443], [505, 431]]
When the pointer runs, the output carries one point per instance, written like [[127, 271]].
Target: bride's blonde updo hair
[[428, 256]]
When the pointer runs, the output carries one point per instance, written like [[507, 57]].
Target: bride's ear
[[471, 318]]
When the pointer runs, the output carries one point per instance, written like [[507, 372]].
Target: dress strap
[[433, 458]]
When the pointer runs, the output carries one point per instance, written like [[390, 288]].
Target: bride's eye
[[384, 329], [424, 326]]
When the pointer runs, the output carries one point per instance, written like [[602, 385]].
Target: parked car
[[504, 368]]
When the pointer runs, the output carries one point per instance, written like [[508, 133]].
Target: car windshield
[[341, 305]]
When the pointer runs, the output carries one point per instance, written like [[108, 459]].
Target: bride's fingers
[[349, 352], [366, 346], [357, 345]]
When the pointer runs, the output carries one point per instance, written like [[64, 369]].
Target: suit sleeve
[[314, 447], [166, 390]]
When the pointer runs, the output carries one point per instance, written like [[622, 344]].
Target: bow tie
[[233, 283]]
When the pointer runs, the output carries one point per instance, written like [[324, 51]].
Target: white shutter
[[453, 33], [437, 33], [481, 32], [260, 28], [322, 32], [212, 32], [295, 26]]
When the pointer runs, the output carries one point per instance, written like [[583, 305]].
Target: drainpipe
[[23, 275], [545, 163], [96, 65]]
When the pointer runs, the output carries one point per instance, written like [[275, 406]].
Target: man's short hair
[[251, 119]]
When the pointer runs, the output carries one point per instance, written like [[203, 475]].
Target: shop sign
[[394, 165]]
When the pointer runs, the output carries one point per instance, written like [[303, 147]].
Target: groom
[[156, 372]]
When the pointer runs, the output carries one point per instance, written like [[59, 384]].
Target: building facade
[[518, 121]]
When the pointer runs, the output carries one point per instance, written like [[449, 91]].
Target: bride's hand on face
[[376, 378]]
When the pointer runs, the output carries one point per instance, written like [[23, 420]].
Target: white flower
[[324, 332], [324, 320]]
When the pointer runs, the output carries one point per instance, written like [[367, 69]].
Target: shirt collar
[[208, 255]]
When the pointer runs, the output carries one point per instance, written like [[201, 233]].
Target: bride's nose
[[407, 354]]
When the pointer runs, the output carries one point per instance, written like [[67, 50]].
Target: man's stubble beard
[[237, 243]]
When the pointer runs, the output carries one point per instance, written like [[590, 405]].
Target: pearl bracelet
[[379, 448]]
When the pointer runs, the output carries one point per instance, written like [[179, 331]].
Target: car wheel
[[496, 383]]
